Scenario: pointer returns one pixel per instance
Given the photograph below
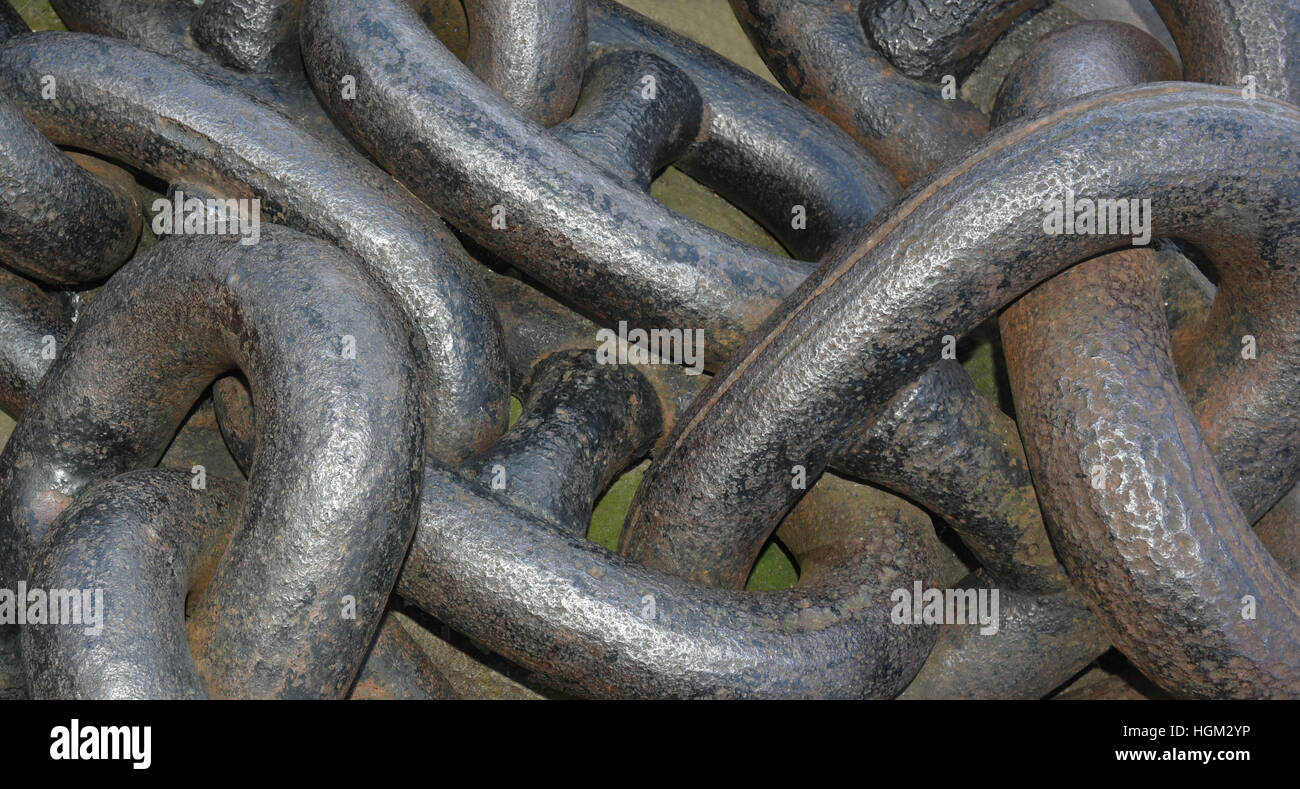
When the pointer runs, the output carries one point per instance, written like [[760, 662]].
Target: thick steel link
[[148, 540], [59, 221], [760, 149], [144, 540], [820, 53], [250, 45], [928, 40], [171, 121], [1160, 548], [595, 624], [868, 320], [938, 441], [1240, 43], [616, 128], [608, 248], [532, 52], [1092, 306], [948, 439], [1078, 60], [330, 509], [955, 447], [1048, 639]]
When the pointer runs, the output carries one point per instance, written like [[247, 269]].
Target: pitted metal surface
[[929, 40], [230, 305], [149, 541], [356, 361], [165, 124], [59, 223], [733, 439]]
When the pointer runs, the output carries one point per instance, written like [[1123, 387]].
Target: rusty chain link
[[314, 241]]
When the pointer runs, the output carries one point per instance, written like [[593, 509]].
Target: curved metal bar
[[695, 275], [760, 148], [1080, 59], [1046, 640], [172, 29], [249, 35], [32, 331], [1226, 41], [593, 623], [583, 420], [1139, 513], [523, 194], [330, 509], [532, 52], [144, 542], [938, 441], [1042, 641], [1077, 60], [138, 543], [59, 222], [183, 127], [619, 128], [820, 53], [943, 261], [928, 40]]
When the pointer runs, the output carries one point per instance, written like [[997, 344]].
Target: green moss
[[979, 365], [773, 570], [39, 14], [607, 519]]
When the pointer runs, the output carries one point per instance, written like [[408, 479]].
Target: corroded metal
[[59, 222], [250, 46], [820, 53], [363, 391], [148, 540], [875, 316], [615, 253], [320, 483], [1045, 639], [596, 624], [1077, 60], [581, 424], [928, 40], [171, 121], [1227, 41], [1151, 532]]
